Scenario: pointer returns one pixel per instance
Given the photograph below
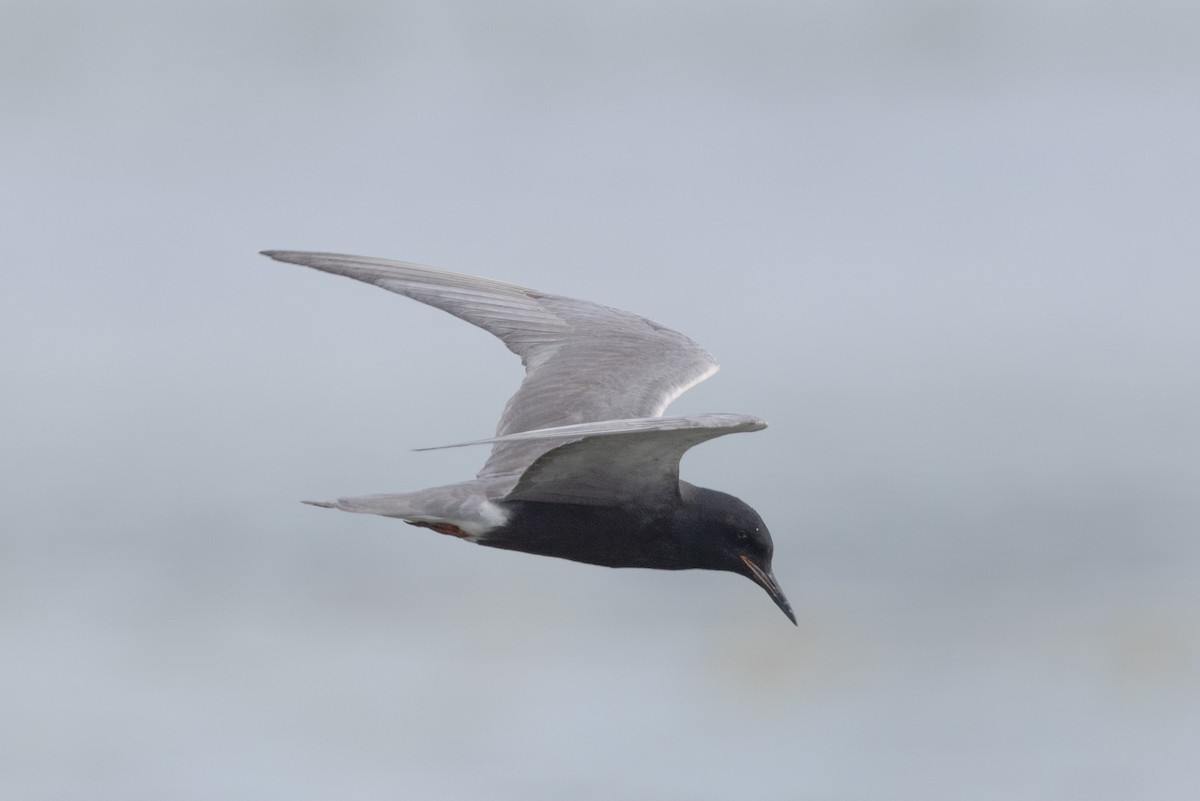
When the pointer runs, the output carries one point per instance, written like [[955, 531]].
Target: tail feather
[[465, 507]]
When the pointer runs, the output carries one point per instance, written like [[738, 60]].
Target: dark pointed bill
[[766, 580]]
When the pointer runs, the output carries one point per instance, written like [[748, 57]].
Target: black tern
[[583, 464]]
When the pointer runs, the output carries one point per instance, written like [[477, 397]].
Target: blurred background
[[948, 249]]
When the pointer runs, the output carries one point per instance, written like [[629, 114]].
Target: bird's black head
[[723, 533]]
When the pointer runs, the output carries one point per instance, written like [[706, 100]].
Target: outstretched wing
[[583, 362], [614, 460]]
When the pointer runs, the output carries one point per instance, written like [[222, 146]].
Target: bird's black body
[[698, 529], [610, 536]]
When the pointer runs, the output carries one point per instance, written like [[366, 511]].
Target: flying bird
[[583, 464]]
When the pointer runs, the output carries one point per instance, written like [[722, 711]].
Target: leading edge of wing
[[716, 422]]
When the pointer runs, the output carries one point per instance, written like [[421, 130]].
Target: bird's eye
[[742, 536]]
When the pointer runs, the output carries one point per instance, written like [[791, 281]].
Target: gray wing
[[604, 462], [583, 362]]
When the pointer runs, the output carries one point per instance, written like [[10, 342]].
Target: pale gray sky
[[948, 250]]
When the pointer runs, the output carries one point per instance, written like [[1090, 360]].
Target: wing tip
[[290, 256], [737, 422]]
